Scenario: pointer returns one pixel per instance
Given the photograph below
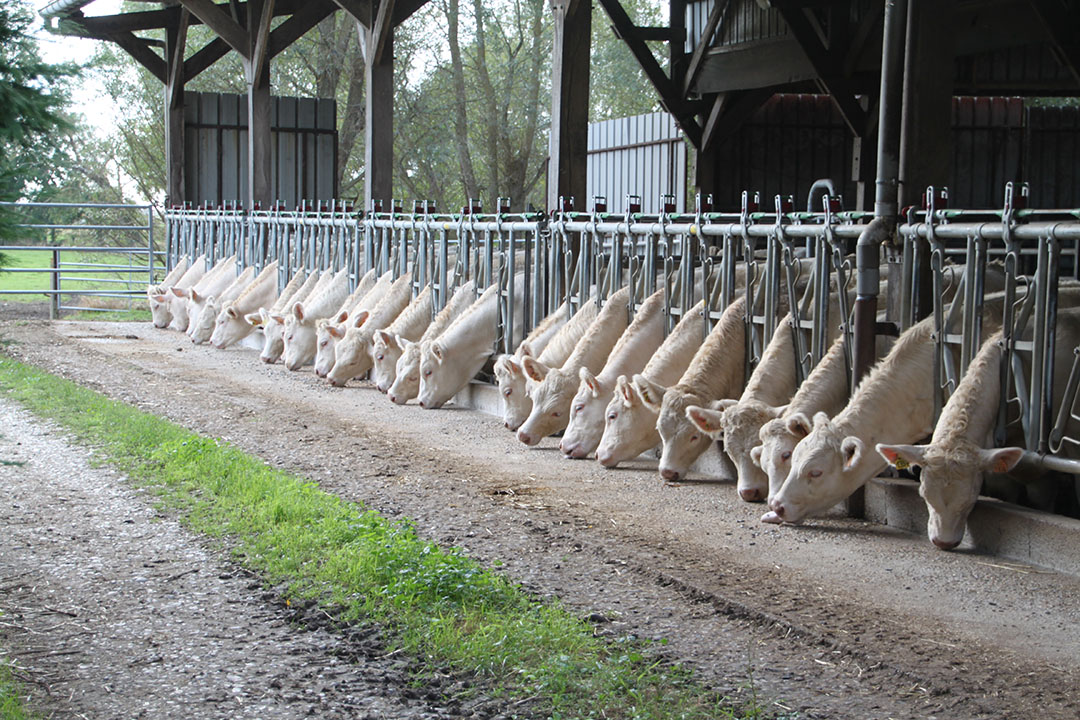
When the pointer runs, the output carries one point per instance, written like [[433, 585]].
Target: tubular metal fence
[[85, 269], [780, 260]]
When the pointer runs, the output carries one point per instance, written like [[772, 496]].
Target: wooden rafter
[[715, 15], [359, 9], [1061, 25], [729, 111], [177, 41], [141, 50], [159, 19], [670, 96], [294, 28], [259, 38], [828, 67], [221, 23], [381, 30], [206, 56]]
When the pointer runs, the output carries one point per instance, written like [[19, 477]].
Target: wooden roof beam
[[670, 97], [141, 49], [177, 41], [214, 17], [301, 21], [729, 111], [719, 9], [382, 28], [828, 68], [206, 56]]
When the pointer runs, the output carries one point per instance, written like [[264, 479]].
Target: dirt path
[[835, 619], [111, 610]]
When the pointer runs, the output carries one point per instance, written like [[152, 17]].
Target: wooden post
[[175, 40], [379, 111], [568, 144], [257, 74]]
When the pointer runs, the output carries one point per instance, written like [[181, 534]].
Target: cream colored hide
[[329, 331], [231, 325], [824, 390], [630, 423], [956, 459], [715, 373], [515, 387], [406, 385], [180, 303], [157, 296], [409, 326], [352, 356], [450, 361], [201, 331], [556, 387], [300, 325], [893, 404], [273, 321], [507, 367], [630, 355], [220, 277]]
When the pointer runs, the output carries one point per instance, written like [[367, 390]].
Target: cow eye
[[694, 438], [380, 357], [508, 392], [427, 373], [815, 473], [786, 455], [578, 408], [556, 414], [612, 416]]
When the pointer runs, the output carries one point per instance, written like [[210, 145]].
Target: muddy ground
[[835, 619]]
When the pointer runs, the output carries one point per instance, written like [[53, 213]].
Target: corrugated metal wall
[[303, 142], [641, 155]]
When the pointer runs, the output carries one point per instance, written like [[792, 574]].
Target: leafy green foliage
[[11, 704], [437, 605]]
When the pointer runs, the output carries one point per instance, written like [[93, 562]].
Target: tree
[[32, 94]]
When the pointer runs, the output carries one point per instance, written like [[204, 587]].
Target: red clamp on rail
[[836, 203], [566, 203], [704, 206], [940, 197], [599, 204], [633, 204], [786, 204], [748, 205], [668, 203], [397, 207], [418, 207], [376, 206]]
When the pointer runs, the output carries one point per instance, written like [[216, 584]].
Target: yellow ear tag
[[901, 464]]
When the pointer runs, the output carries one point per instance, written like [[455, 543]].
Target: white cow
[[300, 324], [514, 386], [352, 355], [201, 329], [157, 296], [386, 347], [451, 360], [954, 461], [406, 385], [630, 355], [212, 283], [328, 331], [179, 302], [630, 423], [273, 320], [715, 373], [556, 387], [231, 325]]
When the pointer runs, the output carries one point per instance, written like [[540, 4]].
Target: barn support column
[[257, 74], [568, 143], [175, 40], [376, 35]]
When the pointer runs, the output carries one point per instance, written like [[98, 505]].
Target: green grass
[[11, 694], [42, 281], [439, 606]]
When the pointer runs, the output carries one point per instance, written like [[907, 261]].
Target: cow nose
[[506, 424], [944, 544], [524, 437], [320, 373], [779, 509], [393, 399], [751, 494], [423, 405], [669, 475]]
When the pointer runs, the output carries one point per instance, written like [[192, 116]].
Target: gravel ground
[[837, 618]]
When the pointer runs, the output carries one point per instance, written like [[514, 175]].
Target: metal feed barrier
[[777, 258], [126, 278]]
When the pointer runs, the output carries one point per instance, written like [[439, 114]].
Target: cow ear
[[360, 318], [388, 339], [403, 343], [298, 311], [342, 317], [821, 418], [755, 455], [722, 405], [626, 391], [651, 393], [524, 350], [852, 448], [438, 351], [193, 294], [336, 331], [1002, 460], [534, 369], [798, 425], [590, 381], [513, 366], [901, 456], [708, 421], [179, 292], [232, 312], [279, 319]]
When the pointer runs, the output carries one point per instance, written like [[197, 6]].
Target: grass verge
[[436, 604], [11, 704]]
